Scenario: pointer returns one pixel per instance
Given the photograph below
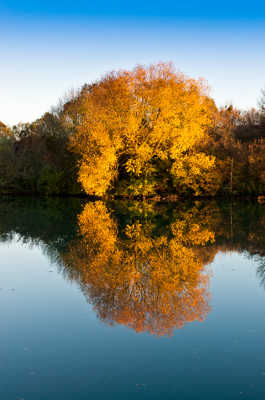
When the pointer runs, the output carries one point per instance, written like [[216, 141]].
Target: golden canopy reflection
[[148, 281]]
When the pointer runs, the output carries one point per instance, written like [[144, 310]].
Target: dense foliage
[[35, 158], [149, 132]]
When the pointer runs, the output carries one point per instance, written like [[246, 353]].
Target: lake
[[131, 300]]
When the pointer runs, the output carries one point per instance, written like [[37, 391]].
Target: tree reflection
[[138, 279], [140, 264]]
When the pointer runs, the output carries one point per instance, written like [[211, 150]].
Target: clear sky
[[47, 48]]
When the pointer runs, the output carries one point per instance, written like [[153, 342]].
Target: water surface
[[131, 300]]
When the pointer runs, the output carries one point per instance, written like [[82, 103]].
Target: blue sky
[[47, 48]]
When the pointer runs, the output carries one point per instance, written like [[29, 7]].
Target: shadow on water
[[142, 265]]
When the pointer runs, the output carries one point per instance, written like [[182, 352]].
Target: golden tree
[[142, 123]]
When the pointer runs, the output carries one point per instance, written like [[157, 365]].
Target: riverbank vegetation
[[150, 132]]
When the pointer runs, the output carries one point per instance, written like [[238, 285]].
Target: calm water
[[131, 300]]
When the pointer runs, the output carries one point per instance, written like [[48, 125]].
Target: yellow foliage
[[131, 119], [197, 171]]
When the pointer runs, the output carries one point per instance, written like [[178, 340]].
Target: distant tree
[[38, 160], [261, 101]]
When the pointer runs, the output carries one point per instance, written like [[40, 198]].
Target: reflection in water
[[139, 264], [147, 282]]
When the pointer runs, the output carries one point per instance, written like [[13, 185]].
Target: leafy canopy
[[141, 125]]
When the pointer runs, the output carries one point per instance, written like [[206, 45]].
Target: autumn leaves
[[149, 132], [139, 133]]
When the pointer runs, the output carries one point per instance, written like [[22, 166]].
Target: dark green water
[[131, 300]]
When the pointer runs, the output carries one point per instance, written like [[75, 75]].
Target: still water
[[131, 300]]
